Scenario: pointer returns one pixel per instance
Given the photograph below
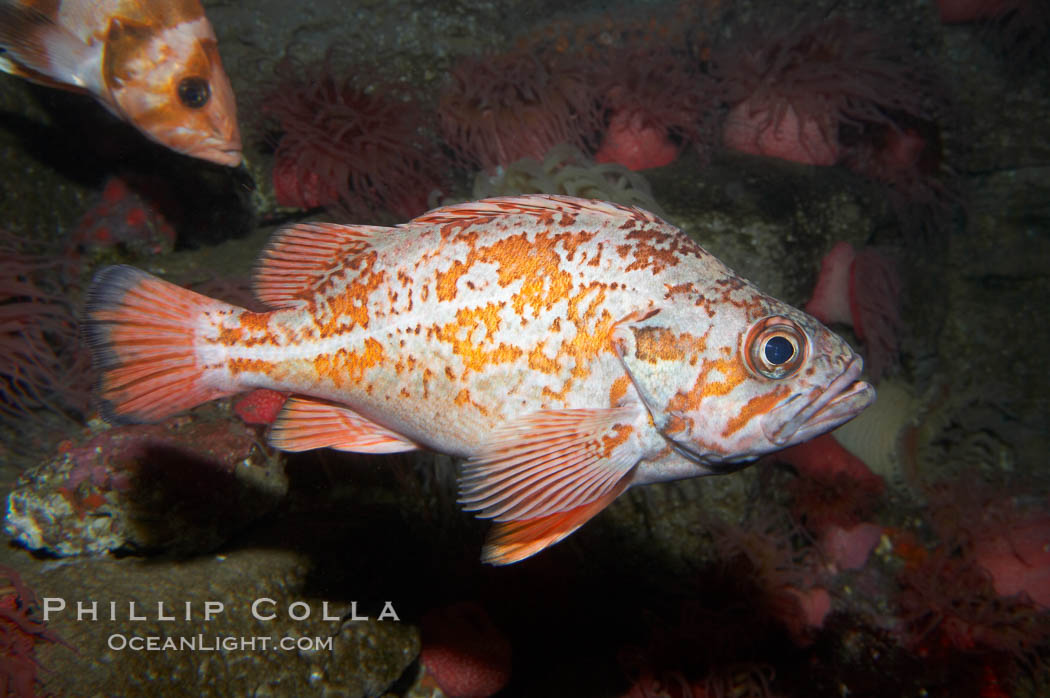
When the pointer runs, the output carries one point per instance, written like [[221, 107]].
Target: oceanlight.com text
[[217, 643]]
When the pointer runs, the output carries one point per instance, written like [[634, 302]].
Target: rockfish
[[152, 63], [567, 349]]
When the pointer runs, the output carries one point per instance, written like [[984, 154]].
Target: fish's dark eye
[[779, 350], [194, 92], [776, 347]]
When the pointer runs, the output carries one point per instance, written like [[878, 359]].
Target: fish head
[[169, 82], [727, 382]]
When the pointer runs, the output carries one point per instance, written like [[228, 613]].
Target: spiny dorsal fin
[[301, 257], [551, 461], [541, 206], [305, 423], [163, 15]]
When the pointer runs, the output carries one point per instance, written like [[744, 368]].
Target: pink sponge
[[831, 296], [1018, 558], [260, 406], [861, 289], [849, 548], [825, 459], [814, 605], [464, 652]]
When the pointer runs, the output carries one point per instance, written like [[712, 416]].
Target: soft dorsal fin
[[551, 461], [301, 257], [305, 423], [542, 206], [513, 541], [34, 46]]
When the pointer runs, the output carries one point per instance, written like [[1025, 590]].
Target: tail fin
[[143, 335]]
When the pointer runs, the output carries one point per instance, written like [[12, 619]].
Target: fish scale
[[567, 349]]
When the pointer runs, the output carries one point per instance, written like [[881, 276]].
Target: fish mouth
[[223, 156], [714, 466], [688, 453], [220, 152], [823, 410]]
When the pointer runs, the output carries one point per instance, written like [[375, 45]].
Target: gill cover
[[662, 358]]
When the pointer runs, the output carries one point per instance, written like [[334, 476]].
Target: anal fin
[[307, 423]]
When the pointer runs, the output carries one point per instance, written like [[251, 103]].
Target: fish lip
[[218, 153], [844, 398], [231, 157]]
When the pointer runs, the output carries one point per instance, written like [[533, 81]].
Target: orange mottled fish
[[152, 63], [567, 349]]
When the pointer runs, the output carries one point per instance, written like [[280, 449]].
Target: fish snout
[[820, 410]]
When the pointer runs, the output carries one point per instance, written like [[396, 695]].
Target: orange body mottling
[[758, 405], [618, 391], [477, 350]]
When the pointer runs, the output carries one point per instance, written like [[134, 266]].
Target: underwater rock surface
[[183, 486]]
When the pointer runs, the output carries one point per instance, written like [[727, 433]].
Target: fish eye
[[776, 347], [778, 350], [194, 92]]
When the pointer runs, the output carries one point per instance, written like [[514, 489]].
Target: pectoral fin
[[305, 424], [513, 541], [551, 462]]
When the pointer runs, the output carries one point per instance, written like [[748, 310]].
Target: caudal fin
[[143, 335]]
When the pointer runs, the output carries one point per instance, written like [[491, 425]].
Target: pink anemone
[[498, 109], [1020, 28], [341, 144], [657, 103], [41, 366], [792, 89], [956, 11]]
